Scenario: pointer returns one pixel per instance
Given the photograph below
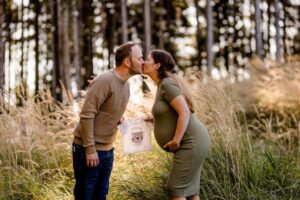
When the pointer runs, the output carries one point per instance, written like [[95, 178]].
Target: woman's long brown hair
[[167, 69]]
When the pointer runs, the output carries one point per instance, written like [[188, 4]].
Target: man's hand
[[92, 160], [172, 145]]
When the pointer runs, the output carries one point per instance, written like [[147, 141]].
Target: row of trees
[[64, 42]]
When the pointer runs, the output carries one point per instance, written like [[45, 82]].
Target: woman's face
[[149, 65]]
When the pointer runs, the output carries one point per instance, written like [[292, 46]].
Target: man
[[103, 107]]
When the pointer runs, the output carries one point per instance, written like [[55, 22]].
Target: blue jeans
[[91, 183]]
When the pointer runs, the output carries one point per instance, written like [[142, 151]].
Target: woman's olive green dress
[[184, 179]]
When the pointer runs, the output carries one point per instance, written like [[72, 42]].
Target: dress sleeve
[[170, 90]]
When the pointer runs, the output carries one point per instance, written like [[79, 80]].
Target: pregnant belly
[[163, 137]]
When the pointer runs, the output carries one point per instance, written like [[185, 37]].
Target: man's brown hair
[[123, 52]]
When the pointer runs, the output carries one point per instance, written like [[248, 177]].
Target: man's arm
[[87, 134], [97, 93]]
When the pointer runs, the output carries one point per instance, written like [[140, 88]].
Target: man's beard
[[133, 70]]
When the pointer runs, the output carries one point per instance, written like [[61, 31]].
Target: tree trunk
[[76, 61], [9, 41], [26, 48], [49, 56], [209, 36], [22, 42], [197, 7], [147, 38], [259, 50], [147, 26], [56, 87], [225, 25], [284, 29], [20, 93], [37, 7], [110, 33], [161, 42], [277, 16], [2, 47], [269, 27], [87, 45], [66, 47], [169, 26], [235, 50], [124, 21]]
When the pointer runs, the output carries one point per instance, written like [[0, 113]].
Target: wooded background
[[50, 43]]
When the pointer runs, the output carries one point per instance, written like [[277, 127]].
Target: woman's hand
[[120, 121], [173, 145]]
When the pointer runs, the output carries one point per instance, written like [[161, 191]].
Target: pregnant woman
[[176, 129]]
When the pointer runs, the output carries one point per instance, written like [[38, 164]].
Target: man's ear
[[127, 62]]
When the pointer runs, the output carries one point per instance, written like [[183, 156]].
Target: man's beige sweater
[[105, 103]]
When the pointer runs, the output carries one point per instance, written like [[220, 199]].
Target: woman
[[176, 129]]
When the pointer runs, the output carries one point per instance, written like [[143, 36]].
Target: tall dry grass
[[239, 165], [271, 99], [35, 150]]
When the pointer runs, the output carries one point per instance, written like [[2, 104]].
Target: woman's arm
[[180, 106]]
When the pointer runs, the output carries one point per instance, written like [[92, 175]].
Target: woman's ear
[[157, 65]]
